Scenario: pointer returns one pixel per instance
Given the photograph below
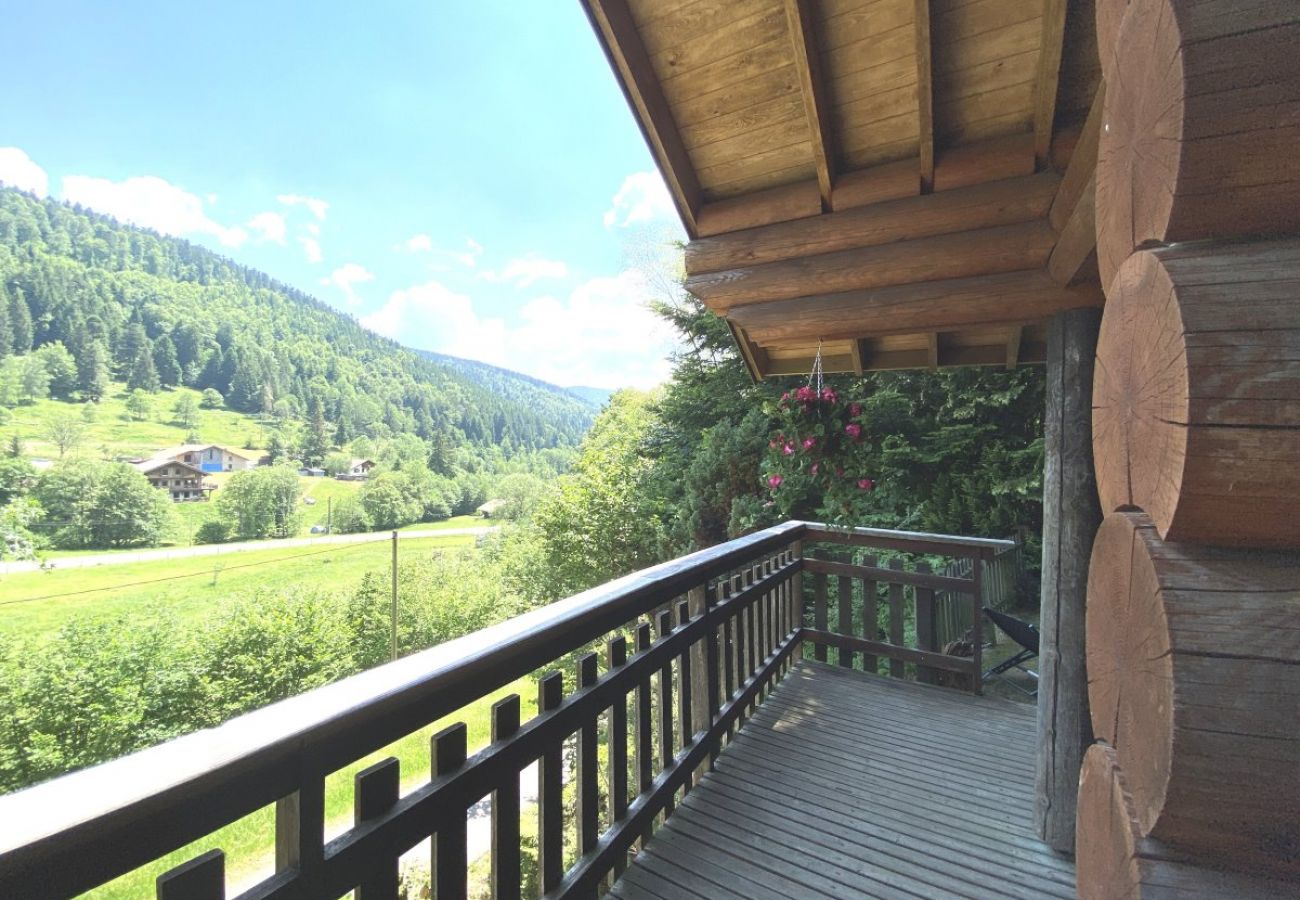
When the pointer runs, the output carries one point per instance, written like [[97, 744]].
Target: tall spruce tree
[[20, 323], [165, 362], [92, 370], [141, 374], [6, 333]]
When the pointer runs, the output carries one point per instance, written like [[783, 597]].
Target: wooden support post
[[1071, 514]]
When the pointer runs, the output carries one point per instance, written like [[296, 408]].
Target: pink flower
[[809, 443], [816, 467], [839, 471], [855, 409], [866, 484], [828, 395], [785, 397], [773, 443], [805, 394], [853, 430], [788, 449], [774, 481]]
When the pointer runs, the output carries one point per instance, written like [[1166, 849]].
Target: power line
[[339, 548]]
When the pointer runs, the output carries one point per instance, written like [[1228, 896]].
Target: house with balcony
[[1108, 189], [208, 457], [183, 482]]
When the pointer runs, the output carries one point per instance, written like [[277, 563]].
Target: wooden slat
[[920, 578], [807, 60], [375, 790], [616, 658], [1007, 202], [819, 612], [588, 774], [924, 94], [895, 620], [1014, 335], [550, 789], [202, 878], [870, 615], [985, 251], [685, 683], [627, 55], [449, 863], [300, 825], [506, 807], [1049, 70], [1009, 298], [666, 747], [844, 609], [925, 624]]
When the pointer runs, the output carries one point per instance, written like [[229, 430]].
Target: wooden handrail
[[78, 831]]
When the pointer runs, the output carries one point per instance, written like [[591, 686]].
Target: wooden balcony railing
[[689, 648]]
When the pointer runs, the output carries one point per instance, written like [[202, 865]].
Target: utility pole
[[393, 635]]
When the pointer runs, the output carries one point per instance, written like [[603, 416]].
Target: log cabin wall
[[1193, 610]]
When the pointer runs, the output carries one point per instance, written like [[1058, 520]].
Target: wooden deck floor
[[849, 785]]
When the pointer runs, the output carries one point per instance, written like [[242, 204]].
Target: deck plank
[[844, 784]]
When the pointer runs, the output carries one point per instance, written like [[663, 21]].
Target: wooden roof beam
[[1049, 73], [951, 305], [1004, 202], [925, 94], [1014, 337], [1073, 212], [807, 62], [983, 251], [613, 23]]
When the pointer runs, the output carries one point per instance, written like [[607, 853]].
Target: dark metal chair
[[1026, 636]]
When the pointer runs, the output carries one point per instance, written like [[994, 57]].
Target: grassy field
[[249, 844], [37, 603], [112, 433]]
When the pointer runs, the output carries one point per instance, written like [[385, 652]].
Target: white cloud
[[269, 226], [311, 247], [313, 229], [523, 271], [419, 243], [601, 334], [469, 256], [18, 171], [643, 197], [151, 202], [317, 206], [346, 277]]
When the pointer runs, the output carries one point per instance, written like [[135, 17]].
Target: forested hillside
[[548, 399], [159, 311]]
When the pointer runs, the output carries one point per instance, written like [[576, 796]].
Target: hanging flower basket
[[820, 448]]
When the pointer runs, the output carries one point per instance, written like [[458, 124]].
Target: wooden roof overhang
[[904, 183]]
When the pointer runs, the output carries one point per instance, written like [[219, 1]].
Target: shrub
[[213, 531]]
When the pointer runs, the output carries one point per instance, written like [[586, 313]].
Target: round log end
[[1105, 855], [1138, 158], [1130, 667], [1109, 14], [1140, 393]]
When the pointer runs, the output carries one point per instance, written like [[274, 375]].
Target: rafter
[[932, 350], [1014, 337], [627, 55], [807, 62], [1049, 71], [925, 95]]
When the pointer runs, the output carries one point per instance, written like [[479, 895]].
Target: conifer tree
[[6, 333], [92, 371], [165, 362], [142, 375], [20, 323]]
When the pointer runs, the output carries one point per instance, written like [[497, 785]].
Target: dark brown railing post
[[925, 632], [550, 789], [870, 617], [616, 657], [202, 878], [588, 764], [819, 613], [448, 851], [375, 790], [844, 607], [977, 618], [505, 808], [666, 751], [896, 667]]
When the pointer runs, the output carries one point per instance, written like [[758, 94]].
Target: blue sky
[[465, 177]]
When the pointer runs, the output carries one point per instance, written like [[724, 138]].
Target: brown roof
[[890, 179]]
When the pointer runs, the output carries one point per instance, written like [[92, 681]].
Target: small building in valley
[[208, 457], [182, 481], [358, 470]]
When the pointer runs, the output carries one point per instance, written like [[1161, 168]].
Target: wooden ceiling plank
[[891, 181], [1078, 240], [925, 94], [999, 203], [1049, 73], [613, 22], [1014, 336], [950, 305], [807, 60], [992, 160], [983, 251]]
